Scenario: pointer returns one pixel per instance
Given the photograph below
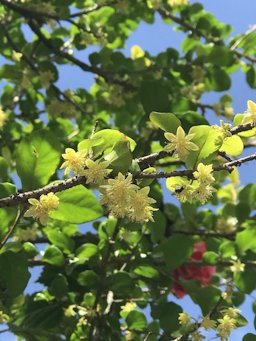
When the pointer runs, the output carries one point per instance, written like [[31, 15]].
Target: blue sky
[[155, 38]]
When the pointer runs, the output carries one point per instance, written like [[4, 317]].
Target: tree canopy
[[83, 173]]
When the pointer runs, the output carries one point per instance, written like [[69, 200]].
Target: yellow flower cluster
[[41, 208], [180, 143], [226, 325], [125, 199], [23, 235], [199, 189], [74, 161], [204, 176], [96, 171], [79, 163]]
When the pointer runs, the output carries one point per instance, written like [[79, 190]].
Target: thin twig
[[12, 228]]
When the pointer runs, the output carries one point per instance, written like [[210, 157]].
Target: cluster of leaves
[[117, 278]]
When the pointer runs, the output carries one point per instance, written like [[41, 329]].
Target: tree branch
[[19, 198], [203, 233]]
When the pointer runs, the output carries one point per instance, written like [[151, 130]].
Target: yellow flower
[[208, 323], [226, 324], [29, 233], [196, 336], [49, 201], [184, 192], [140, 209], [204, 174], [225, 129], [180, 143], [16, 56], [40, 209], [96, 171], [46, 77], [116, 194], [184, 318], [129, 306], [237, 266], [224, 225], [176, 3], [3, 117], [232, 312], [250, 116], [129, 335], [75, 161], [203, 193], [70, 310]]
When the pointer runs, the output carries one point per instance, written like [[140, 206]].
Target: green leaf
[[249, 337], [3, 169], [245, 240], [154, 96], [206, 297], [59, 286], [53, 256], [177, 250], [221, 55], [87, 144], [77, 205], [146, 271], [237, 121], [218, 79], [158, 227], [37, 158], [192, 118], [88, 279], [247, 196], [232, 145], [86, 251], [209, 140], [245, 281], [227, 249], [108, 139], [30, 249], [41, 314], [168, 314], [120, 157], [210, 257], [7, 215], [136, 320], [14, 272], [251, 77], [61, 240], [121, 283], [165, 121]]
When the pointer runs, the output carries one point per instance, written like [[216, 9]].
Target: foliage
[[143, 119]]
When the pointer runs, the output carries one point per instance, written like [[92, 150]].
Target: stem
[[102, 279], [12, 228]]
